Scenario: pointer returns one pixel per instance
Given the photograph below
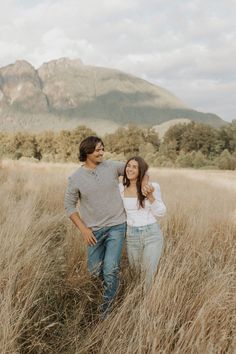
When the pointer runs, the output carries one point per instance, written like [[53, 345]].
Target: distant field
[[50, 305]]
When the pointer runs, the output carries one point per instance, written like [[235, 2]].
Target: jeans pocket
[[98, 234]]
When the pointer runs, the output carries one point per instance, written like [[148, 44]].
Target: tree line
[[183, 145]]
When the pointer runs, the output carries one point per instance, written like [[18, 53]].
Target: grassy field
[[50, 305]]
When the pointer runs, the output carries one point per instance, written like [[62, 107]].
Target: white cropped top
[[138, 216]]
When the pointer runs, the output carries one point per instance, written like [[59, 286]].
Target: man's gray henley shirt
[[97, 191]]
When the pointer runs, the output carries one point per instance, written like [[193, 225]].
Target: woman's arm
[[158, 208]]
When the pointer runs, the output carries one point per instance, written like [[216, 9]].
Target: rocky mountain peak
[[21, 88], [20, 67], [61, 64]]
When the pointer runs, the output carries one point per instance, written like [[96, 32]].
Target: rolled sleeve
[[71, 198], [158, 208]]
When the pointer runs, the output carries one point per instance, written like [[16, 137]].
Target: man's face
[[97, 156]]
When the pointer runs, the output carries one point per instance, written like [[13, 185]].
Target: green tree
[[24, 144], [168, 149], [47, 145], [185, 159], [173, 136], [68, 143], [199, 160], [6, 149], [146, 149], [150, 136], [193, 137], [227, 135], [226, 161], [200, 137], [160, 160], [125, 140]]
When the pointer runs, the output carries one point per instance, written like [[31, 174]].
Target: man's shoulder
[[108, 164], [105, 163], [113, 163], [77, 173]]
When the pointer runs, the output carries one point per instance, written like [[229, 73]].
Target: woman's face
[[132, 170]]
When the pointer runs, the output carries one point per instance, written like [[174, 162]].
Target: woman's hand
[[147, 190], [144, 185], [149, 193]]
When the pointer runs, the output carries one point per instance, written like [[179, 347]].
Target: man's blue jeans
[[104, 260]]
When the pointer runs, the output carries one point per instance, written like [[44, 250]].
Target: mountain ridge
[[64, 92]]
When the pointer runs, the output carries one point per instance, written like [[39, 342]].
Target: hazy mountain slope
[[63, 93]]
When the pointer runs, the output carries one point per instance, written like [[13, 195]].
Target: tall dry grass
[[50, 305]]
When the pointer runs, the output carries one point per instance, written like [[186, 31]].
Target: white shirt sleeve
[[121, 188], [158, 208]]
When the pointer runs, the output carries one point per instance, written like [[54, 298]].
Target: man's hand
[[88, 236], [86, 232]]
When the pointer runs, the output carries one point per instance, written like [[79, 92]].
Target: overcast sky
[[187, 47]]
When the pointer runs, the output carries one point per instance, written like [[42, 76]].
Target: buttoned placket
[[94, 174]]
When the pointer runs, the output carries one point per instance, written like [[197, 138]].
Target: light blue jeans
[[144, 247], [104, 260]]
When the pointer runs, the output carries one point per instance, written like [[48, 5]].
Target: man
[[101, 219]]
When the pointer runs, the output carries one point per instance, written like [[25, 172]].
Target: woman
[[144, 237]]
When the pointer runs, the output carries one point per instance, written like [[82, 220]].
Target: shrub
[[199, 160], [185, 160], [226, 161]]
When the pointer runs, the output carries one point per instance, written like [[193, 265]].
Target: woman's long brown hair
[[142, 169]]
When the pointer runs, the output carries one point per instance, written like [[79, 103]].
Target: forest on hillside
[[183, 145]]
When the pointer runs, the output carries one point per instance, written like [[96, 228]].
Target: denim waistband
[[143, 227]]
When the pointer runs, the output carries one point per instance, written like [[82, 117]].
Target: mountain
[[65, 93]]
